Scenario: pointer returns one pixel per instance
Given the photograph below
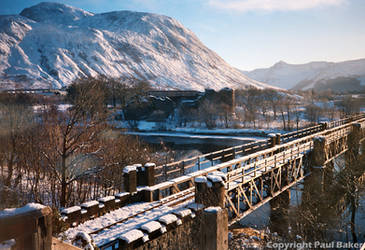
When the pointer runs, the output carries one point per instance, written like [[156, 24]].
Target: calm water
[[323, 207]]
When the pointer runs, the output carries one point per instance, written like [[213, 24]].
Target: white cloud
[[271, 5]]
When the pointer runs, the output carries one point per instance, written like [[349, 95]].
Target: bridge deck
[[242, 174]]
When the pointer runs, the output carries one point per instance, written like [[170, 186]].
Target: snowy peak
[[315, 75], [51, 12], [50, 45]]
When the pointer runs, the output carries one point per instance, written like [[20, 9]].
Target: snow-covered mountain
[[317, 75], [50, 45]]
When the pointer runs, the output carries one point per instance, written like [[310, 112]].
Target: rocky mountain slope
[[50, 45], [348, 75]]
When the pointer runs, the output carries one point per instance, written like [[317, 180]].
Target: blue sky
[[250, 34]]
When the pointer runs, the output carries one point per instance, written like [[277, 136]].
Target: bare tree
[[16, 116], [73, 135], [313, 113], [249, 99], [208, 113]]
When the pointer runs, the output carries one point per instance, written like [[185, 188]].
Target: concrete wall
[[28, 227], [181, 237]]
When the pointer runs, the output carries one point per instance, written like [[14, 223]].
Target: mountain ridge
[[316, 74], [52, 44]]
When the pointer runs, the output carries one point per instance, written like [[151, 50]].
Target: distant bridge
[[175, 93]]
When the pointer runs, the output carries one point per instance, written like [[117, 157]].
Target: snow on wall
[[215, 178], [151, 226], [201, 179], [128, 169], [213, 210], [106, 198], [132, 235], [89, 204], [70, 210], [168, 219], [14, 211], [149, 164]]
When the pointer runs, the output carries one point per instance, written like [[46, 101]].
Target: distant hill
[[50, 45], [342, 76]]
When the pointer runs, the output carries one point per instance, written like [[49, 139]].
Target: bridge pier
[[210, 191], [353, 141], [319, 153], [279, 220], [214, 229]]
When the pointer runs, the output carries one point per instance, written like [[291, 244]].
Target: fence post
[[324, 125], [214, 229], [130, 179], [150, 173], [272, 140], [278, 139]]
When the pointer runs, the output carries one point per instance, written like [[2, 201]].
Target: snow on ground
[[60, 107], [194, 136]]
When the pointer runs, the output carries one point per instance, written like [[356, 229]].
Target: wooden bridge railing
[[169, 170], [178, 168], [263, 158], [253, 163]]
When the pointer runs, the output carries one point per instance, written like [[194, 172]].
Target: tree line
[[64, 157]]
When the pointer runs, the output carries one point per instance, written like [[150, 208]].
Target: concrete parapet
[[92, 208], [71, 215], [174, 230], [28, 227], [108, 202]]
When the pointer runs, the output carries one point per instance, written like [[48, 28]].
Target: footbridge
[[185, 203]]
